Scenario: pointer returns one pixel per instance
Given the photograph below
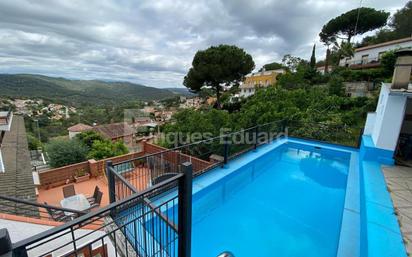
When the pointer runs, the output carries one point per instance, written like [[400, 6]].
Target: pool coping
[[350, 226]]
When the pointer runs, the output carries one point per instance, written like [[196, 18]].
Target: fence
[[20, 207], [134, 225], [59, 176]]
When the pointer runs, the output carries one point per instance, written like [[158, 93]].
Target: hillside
[[180, 91], [78, 91]]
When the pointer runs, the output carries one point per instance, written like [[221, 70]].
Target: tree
[[388, 62], [342, 50], [88, 137], [102, 149], [402, 21], [272, 66], [348, 25], [313, 58], [399, 27], [291, 62], [63, 152], [33, 142], [217, 65], [335, 86]]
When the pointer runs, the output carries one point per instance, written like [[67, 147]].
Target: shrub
[[63, 152], [335, 86]]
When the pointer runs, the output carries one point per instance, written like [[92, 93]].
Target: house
[[78, 128], [257, 80], [116, 132], [194, 102], [6, 118], [370, 56], [389, 128], [321, 69]]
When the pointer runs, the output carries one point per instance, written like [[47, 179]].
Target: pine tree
[[313, 58]]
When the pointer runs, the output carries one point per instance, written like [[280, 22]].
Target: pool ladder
[[226, 254]]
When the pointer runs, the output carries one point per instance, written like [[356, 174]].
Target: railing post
[[110, 178], [256, 136], [226, 149], [6, 247], [185, 211]]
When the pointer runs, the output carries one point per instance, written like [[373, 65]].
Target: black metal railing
[[151, 222], [22, 207]]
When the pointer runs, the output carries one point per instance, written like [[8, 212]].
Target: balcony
[[364, 63], [6, 118]]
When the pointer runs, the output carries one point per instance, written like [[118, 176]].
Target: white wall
[[246, 92], [374, 52], [389, 117], [72, 134], [370, 123]]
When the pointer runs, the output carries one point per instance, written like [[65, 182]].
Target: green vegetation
[[399, 27], [99, 147], [312, 112], [102, 149], [78, 92], [33, 142], [272, 66], [86, 145], [218, 65], [63, 152], [348, 25]]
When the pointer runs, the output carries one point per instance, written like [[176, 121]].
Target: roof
[[114, 130], [392, 42], [265, 73], [17, 180], [79, 128]]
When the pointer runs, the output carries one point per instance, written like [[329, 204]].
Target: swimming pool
[[288, 202], [285, 199]]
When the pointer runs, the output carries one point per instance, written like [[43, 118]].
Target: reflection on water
[[323, 172]]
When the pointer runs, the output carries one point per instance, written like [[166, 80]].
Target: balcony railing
[[134, 225], [365, 62], [20, 207]]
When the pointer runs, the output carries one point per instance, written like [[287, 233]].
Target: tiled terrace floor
[[399, 182], [53, 196]]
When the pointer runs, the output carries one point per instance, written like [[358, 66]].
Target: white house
[[369, 56], [257, 80], [387, 127]]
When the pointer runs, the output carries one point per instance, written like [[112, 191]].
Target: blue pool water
[[288, 202]]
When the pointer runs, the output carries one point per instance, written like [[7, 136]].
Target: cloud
[[153, 42]]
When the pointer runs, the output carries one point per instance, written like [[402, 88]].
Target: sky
[[153, 42]]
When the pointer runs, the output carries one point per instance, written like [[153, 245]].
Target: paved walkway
[[399, 182]]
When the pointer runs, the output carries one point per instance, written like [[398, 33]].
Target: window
[[365, 58]]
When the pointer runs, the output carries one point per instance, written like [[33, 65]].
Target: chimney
[[402, 72]]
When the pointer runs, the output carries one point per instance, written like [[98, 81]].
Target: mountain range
[[81, 91]]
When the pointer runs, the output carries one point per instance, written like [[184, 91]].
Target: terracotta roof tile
[[79, 128], [114, 130]]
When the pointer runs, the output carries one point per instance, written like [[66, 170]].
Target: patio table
[[76, 202]]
